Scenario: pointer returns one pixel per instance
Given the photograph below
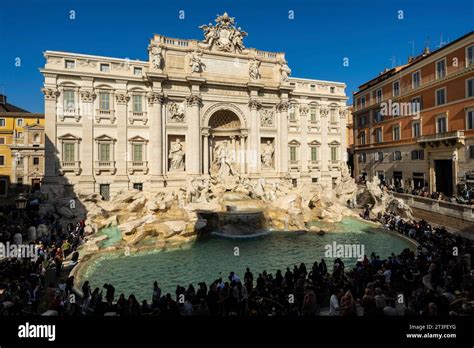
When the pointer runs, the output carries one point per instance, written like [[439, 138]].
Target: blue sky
[[316, 41]]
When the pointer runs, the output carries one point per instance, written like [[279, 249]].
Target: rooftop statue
[[223, 36]]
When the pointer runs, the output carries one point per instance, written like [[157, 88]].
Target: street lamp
[[20, 202]]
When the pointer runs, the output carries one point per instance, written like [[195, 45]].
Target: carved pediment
[[334, 143], [137, 139], [294, 142], [104, 137], [69, 136], [314, 143]]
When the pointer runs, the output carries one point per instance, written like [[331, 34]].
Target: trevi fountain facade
[[203, 135]]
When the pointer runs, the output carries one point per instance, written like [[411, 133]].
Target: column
[[205, 134], [254, 105], [193, 146], [86, 180], [155, 160], [121, 155], [304, 109], [325, 150], [242, 154], [51, 160], [283, 108]]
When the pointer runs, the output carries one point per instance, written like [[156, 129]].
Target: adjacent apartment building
[[414, 124], [21, 149]]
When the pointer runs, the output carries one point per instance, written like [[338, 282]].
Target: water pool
[[209, 258]]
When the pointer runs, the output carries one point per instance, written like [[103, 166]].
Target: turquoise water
[[207, 259], [114, 236]]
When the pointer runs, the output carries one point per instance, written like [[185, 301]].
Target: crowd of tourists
[[434, 280]]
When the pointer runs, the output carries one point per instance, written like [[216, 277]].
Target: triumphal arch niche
[[194, 108]]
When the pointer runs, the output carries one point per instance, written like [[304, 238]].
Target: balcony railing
[[73, 112], [454, 136], [101, 114], [137, 116], [104, 166], [70, 166], [314, 165], [294, 165], [137, 166]]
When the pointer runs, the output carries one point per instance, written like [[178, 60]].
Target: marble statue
[[267, 154], [156, 57], [176, 112], [196, 63], [285, 71], [254, 72], [223, 36], [177, 155], [223, 157]]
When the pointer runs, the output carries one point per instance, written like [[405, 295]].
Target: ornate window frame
[[133, 165], [70, 166], [103, 165]]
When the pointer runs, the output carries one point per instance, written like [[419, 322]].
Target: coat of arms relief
[[224, 36]]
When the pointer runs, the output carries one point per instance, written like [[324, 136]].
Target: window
[[70, 64], [138, 186], [441, 96], [440, 69], [362, 158], [2, 141], [312, 88], [314, 153], [69, 100], [441, 124], [362, 102], [104, 152], [36, 161], [470, 88], [396, 132], [293, 153], [377, 116], [138, 152], [69, 153], [334, 153], [470, 55], [470, 119], [416, 105], [417, 155], [313, 114], [19, 122], [378, 95], [416, 79], [2, 122], [362, 138], [104, 190], [104, 67], [2, 160], [137, 71], [104, 101], [396, 88], [379, 156], [314, 180], [397, 156], [36, 138], [471, 151], [19, 181], [19, 135], [362, 121], [137, 103], [416, 129], [333, 117], [333, 90], [378, 135]]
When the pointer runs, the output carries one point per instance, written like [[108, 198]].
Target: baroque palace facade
[[115, 124], [426, 139]]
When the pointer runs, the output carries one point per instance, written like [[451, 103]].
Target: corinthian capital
[[155, 98], [254, 104], [122, 98], [88, 96], [283, 106], [193, 100], [50, 93]]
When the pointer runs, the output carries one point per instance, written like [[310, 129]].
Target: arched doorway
[[225, 130]]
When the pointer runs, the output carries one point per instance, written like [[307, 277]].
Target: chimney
[[3, 99], [426, 51]]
